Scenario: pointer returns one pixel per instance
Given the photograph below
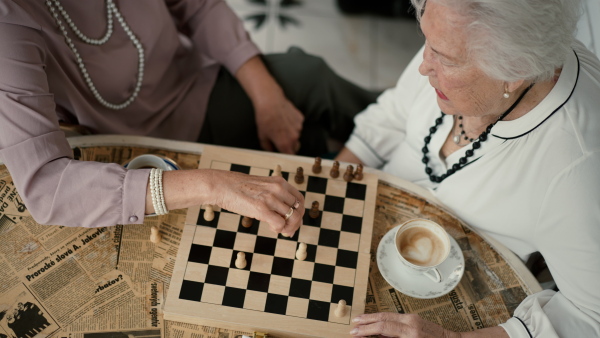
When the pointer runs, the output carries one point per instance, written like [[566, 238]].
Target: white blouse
[[534, 185]]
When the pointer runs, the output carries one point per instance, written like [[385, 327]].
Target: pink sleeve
[[215, 30], [55, 188]]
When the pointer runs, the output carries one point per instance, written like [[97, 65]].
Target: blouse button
[[133, 219]]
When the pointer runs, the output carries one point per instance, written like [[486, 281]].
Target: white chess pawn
[[209, 213], [341, 310], [155, 235], [301, 252], [277, 171], [240, 262]]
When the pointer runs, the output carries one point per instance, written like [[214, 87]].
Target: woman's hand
[[389, 324], [266, 199], [279, 124]]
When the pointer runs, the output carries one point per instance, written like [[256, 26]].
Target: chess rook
[[314, 210], [341, 310], [209, 213], [155, 235], [246, 222], [240, 262], [335, 170], [277, 171], [299, 178], [301, 252], [316, 168], [349, 174], [358, 174]]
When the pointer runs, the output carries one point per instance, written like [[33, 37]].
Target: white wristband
[[156, 192]]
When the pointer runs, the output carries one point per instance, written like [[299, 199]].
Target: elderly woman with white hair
[[502, 125]]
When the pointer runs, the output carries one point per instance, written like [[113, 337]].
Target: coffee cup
[[148, 161], [422, 246]]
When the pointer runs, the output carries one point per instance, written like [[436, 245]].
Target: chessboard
[[276, 293]]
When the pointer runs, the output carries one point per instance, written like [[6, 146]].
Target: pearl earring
[[506, 95]]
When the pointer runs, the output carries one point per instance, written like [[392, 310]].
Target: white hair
[[512, 40]]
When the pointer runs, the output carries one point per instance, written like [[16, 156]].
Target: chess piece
[[314, 210], [277, 171], [246, 222], [299, 178], [341, 310], [335, 170], [349, 174], [301, 252], [317, 166], [209, 213], [358, 174], [155, 235], [240, 262]]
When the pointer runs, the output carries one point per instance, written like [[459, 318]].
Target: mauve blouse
[[185, 43]]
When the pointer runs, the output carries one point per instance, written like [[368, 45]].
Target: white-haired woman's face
[[461, 87]]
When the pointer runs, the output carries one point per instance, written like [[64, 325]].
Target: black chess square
[[323, 273], [199, 253], [316, 184], [216, 275], [356, 190], [248, 256], [318, 310], [259, 281], [276, 304], [307, 220], [202, 221], [224, 239], [300, 288], [311, 252], [234, 297], [191, 290], [347, 259], [244, 169], [282, 266], [253, 229], [265, 245], [352, 224], [339, 292], [329, 238], [334, 204]]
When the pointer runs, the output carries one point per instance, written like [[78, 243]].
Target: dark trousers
[[328, 102]]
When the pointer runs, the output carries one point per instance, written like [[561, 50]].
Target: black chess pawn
[[317, 166], [335, 170], [299, 178], [358, 174], [349, 174], [314, 210]]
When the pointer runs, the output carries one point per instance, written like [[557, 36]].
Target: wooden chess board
[[276, 293]]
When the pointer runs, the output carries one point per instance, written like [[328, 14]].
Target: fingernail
[[357, 319], [354, 331]]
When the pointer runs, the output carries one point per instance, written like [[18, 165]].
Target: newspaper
[[89, 283]]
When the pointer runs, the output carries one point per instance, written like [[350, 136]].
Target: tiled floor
[[369, 50]]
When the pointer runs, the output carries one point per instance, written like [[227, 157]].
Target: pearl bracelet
[[156, 192]]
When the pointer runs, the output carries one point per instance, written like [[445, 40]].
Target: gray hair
[[514, 40]]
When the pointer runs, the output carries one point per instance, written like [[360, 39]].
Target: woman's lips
[[441, 95]]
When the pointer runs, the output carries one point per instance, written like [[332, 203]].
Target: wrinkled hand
[[266, 199], [279, 124], [389, 324]]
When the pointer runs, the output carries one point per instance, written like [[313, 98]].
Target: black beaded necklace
[[462, 162]]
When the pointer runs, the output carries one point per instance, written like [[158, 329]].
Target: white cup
[[422, 246], [148, 161]]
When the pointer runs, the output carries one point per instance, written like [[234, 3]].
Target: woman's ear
[[511, 87]]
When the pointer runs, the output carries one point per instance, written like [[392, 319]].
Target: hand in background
[[279, 125]]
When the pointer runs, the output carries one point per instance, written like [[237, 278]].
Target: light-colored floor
[[369, 50]]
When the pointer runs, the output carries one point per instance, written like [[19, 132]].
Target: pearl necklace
[[56, 8], [463, 161]]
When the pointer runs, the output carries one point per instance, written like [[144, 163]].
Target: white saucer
[[415, 285]]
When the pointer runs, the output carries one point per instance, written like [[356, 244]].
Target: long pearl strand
[[56, 8]]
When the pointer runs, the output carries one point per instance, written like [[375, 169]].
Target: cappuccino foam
[[421, 246]]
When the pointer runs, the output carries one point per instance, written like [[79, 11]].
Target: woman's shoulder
[[17, 12]]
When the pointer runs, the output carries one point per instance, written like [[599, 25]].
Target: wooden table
[[494, 283]]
